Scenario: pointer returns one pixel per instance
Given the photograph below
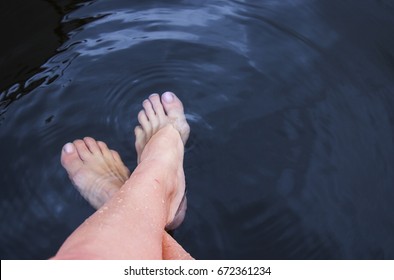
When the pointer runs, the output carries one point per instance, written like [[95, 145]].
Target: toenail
[[68, 148], [168, 97]]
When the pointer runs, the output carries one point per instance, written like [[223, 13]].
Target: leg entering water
[[155, 139]]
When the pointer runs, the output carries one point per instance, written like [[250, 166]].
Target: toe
[[172, 105], [140, 140], [156, 104], [144, 122], [83, 151], [92, 145], [123, 170], [70, 159], [139, 134], [174, 110], [105, 150], [116, 157], [150, 113]]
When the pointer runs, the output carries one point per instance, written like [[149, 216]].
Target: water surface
[[290, 103]]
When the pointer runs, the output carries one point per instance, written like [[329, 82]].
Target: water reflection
[[291, 151]]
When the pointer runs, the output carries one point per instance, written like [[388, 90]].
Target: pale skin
[[132, 210]]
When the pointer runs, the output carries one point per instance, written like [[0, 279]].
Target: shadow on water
[[291, 107]]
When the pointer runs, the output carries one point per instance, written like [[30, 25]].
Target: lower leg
[[99, 176], [105, 167], [172, 250], [131, 224]]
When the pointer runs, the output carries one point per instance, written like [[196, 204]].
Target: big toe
[[70, 159], [172, 105], [174, 110]]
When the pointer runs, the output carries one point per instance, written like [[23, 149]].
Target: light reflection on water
[[290, 104]]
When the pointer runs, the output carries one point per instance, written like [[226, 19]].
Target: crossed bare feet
[[98, 172]]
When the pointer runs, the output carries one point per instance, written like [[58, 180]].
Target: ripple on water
[[291, 138]]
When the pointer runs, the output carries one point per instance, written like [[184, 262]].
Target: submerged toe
[[70, 159]]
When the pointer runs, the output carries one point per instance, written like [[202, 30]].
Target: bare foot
[[159, 113], [96, 171]]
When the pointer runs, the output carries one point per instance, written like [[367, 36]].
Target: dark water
[[291, 107]]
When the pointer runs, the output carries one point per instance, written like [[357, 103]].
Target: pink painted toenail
[[168, 97], [68, 148]]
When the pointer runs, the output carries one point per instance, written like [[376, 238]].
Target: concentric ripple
[[291, 110]]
